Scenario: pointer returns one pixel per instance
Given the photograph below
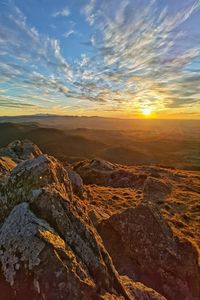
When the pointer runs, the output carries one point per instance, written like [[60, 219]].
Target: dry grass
[[180, 208]]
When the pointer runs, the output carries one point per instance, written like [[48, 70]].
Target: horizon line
[[96, 116]]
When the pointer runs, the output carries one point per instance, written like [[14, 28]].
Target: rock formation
[[42, 185], [155, 189], [21, 150], [76, 181], [50, 249], [100, 172], [150, 253]]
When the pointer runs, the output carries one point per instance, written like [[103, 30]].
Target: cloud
[[137, 56], [88, 10], [141, 50], [65, 12], [15, 103], [20, 63], [69, 33], [71, 30]]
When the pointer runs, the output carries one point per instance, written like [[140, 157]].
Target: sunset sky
[[131, 58]]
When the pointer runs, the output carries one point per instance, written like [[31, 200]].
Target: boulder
[[27, 180], [77, 182], [100, 172], [143, 247], [37, 263], [155, 189], [21, 150], [48, 246]]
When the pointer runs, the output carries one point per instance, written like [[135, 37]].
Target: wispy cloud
[[139, 58], [142, 51], [19, 63], [89, 11], [68, 33], [64, 12]]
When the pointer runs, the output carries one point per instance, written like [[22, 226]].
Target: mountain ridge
[[179, 150]]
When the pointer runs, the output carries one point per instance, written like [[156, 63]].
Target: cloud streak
[[65, 12], [69, 33], [143, 50], [139, 58]]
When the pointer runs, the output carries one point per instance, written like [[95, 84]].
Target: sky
[[120, 58]]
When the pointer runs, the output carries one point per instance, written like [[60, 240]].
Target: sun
[[146, 111]]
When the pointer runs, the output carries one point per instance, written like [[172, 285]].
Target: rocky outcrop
[[27, 180], [45, 187], [21, 150], [100, 172], [143, 247], [37, 262], [48, 248]]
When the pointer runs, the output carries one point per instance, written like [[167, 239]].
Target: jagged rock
[[18, 235], [43, 182], [50, 250], [29, 177], [21, 150], [143, 247], [100, 172], [37, 262], [155, 189], [77, 182]]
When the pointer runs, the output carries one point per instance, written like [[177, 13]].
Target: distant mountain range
[[95, 122], [172, 148]]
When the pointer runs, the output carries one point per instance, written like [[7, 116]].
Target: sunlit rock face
[[50, 249], [6, 166]]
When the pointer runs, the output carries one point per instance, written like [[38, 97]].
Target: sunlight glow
[[146, 111]]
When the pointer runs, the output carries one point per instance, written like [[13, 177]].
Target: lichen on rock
[[27, 180], [18, 241]]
